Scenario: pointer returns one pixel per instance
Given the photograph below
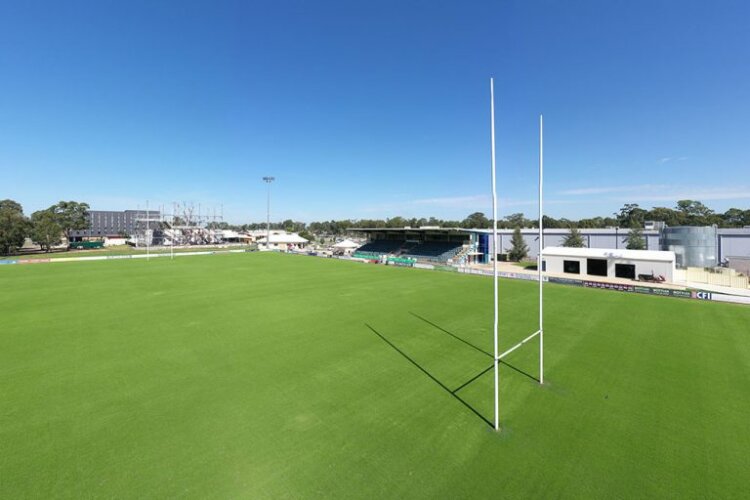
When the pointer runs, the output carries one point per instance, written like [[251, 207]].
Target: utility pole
[[268, 180]]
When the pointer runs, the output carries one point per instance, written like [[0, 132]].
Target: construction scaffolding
[[186, 225]]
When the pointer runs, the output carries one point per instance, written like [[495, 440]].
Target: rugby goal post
[[540, 331]]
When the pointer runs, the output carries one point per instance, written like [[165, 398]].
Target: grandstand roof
[[565, 230], [547, 230], [284, 238], [411, 229]]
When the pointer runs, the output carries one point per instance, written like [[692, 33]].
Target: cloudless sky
[[374, 109]]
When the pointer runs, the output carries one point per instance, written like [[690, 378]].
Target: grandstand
[[380, 247], [435, 251], [437, 245]]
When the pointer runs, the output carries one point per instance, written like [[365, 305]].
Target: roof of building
[[734, 231], [603, 253], [230, 233], [347, 244], [284, 238], [563, 230], [527, 230], [410, 229]]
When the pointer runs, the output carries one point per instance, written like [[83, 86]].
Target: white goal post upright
[[494, 250], [541, 249]]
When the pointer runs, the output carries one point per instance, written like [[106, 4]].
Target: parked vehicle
[[652, 277], [85, 245]]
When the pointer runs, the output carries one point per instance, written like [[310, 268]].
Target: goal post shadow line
[[453, 392], [486, 353], [432, 377]]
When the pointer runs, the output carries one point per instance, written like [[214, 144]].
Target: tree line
[[685, 213], [45, 227]]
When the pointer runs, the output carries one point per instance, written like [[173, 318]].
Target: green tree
[[574, 239], [396, 222], [663, 214], [45, 230], [733, 217], [519, 249], [635, 239], [14, 227], [71, 215], [476, 220], [695, 213], [550, 222], [517, 220], [592, 223], [630, 214]]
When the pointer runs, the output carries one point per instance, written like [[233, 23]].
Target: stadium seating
[[432, 251], [379, 247], [435, 251]]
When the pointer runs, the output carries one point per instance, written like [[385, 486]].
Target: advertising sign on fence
[[565, 281], [522, 276], [401, 261], [664, 292], [424, 266], [609, 286], [734, 299]]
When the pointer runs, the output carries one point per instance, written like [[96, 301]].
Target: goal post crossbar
[[501, 356]]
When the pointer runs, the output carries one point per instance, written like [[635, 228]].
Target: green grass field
[[119, 250], [277, 376]]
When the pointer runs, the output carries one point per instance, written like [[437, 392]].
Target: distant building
[[281, 240], [608, 263], [232, 236], [103, 223]]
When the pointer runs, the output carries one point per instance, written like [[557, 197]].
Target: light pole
[[268, 180]]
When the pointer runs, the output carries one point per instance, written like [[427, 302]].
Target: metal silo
[[694, 246]]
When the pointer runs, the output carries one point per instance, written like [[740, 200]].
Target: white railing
[[717, 276]]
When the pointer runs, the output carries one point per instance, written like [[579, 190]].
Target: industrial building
[[103, 223], [694, 246]]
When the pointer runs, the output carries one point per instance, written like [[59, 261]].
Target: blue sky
[[374, 109]]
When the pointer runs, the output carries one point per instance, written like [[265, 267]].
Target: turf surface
[[121, 250], [271, 376]]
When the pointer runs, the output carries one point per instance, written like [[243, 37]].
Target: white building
[[231, 236], [591, 263], [281, 240], [346, 247]]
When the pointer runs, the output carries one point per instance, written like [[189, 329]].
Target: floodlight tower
[[268, 180]]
